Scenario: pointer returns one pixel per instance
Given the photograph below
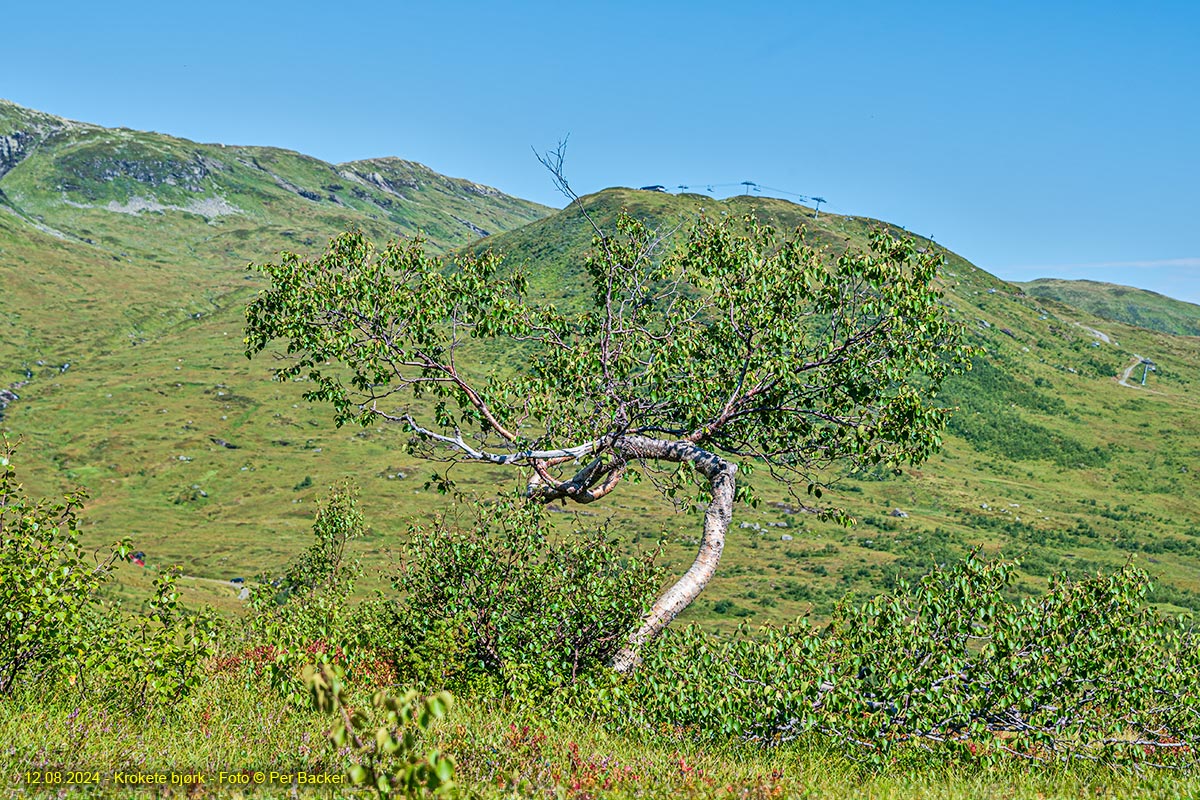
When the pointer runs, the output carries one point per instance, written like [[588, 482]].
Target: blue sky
[[1036, 139]]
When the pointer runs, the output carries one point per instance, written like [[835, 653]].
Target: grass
[[502, 749], [103, 251]]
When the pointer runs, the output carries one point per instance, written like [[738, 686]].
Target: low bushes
[[53, 622], [494, 594], [1087, 671], [494, 604]]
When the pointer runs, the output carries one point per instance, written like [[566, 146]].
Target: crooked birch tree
[[738, 347]]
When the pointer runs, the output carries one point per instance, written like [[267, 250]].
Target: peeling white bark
[[717, 516]]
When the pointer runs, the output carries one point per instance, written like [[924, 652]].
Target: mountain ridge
[[126, 171], [158, 214]]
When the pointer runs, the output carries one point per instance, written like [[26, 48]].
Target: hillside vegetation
[[1049, 457], [191, 450], [947, 688], [112, 235], [1125, 304]]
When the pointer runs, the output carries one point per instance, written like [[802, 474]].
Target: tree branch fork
[[599, 477]]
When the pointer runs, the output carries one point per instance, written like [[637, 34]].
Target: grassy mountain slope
[[148, 229], [1049, 457], [1126, 304], [123, 255], [119, 256]]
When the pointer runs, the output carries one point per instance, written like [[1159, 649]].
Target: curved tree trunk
[[717, 517]]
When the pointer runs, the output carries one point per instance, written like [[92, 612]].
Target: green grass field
[[501, 750]]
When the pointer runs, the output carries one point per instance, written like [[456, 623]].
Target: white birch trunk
[[717, 517]]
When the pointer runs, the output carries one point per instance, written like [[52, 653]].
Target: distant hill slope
[[122, 292], [71, 176], [169, 223], [1048, 456], [1126, 304]]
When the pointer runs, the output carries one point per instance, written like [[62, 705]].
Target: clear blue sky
[[1034, 138]]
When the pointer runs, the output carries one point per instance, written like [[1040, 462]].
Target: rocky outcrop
[[9, 396], [27, 130], [187, 175], [477, 188], [13, 149], [390, 186], [471, 226]]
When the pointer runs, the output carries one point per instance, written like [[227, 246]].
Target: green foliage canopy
[[741, 341]]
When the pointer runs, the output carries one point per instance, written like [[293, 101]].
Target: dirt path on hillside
[[1124, 380], [243, 591], [1098, 334]]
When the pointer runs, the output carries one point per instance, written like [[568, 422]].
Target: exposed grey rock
[[189, 175], [13, 149], [472, 227], [208, 207], [7, 397], [380, 182]]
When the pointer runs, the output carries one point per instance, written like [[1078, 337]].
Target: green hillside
[[1126, 304], [1049, 457], [112, 235], [123, 275], [122, 254]]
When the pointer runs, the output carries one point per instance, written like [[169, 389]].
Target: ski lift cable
[[785, 191], [748, 186], [708, 185]]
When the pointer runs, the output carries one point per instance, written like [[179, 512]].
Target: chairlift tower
[[748, 185], [1147, 366], [817, 210]]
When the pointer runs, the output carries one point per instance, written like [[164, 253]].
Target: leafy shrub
[[506, 597], [53, 621], [47, 581], [305, 614], [1089, 670], [151, 659], [383, 738]]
